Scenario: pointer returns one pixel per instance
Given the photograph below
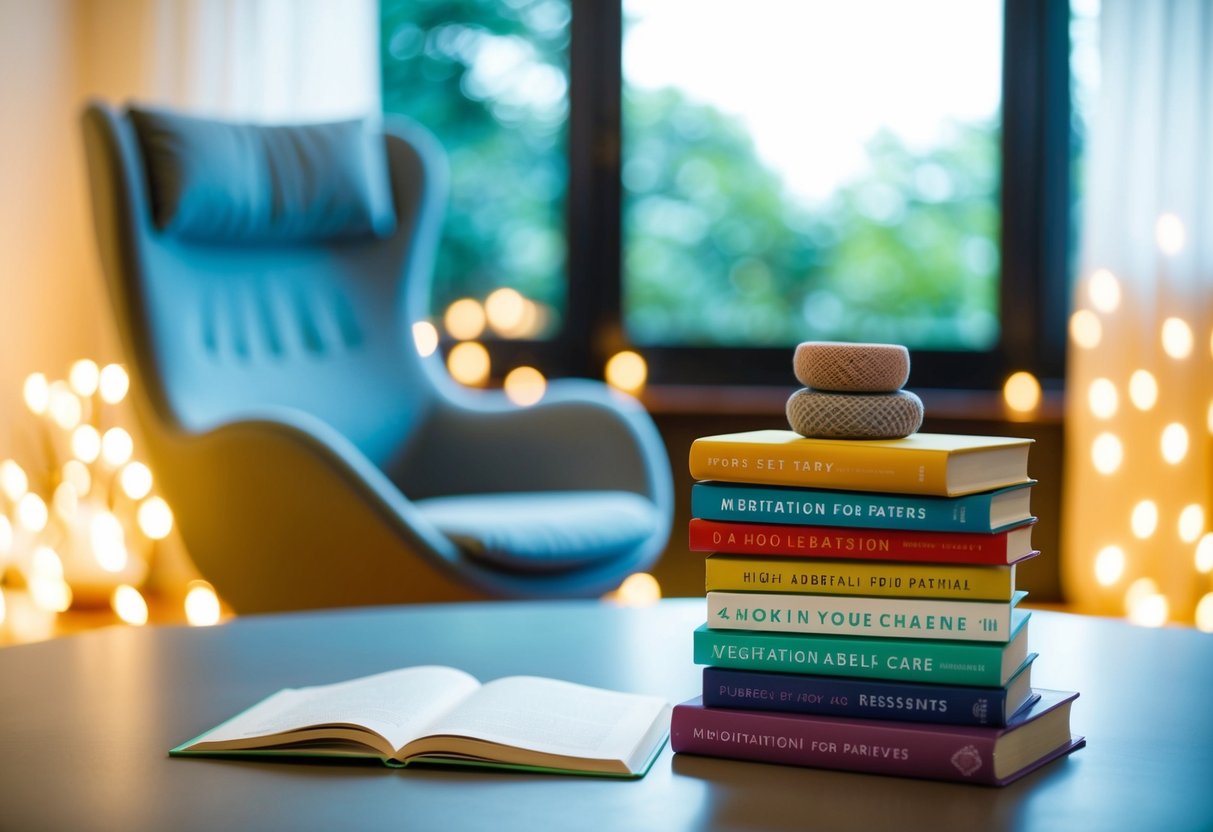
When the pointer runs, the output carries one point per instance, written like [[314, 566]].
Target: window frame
[[1035, 200]]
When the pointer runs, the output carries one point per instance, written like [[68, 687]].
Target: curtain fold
[[1140, 379]]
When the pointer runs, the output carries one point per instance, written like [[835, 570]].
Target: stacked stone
[[853, 391]]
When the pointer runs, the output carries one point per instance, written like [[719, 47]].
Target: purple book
[[965, 754]]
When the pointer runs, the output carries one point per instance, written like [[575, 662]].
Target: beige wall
[[53, 55]]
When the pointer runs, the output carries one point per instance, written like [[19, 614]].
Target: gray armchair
[[264, 281]]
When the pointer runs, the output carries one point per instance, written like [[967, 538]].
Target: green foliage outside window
[[716, 250]]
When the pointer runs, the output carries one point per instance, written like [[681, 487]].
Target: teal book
[[988, 511], [443, 716], [935, 661]]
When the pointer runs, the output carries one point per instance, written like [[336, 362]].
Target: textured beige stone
[[852, 368], [826, 415]]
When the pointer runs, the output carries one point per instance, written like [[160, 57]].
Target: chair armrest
[[581, 435]]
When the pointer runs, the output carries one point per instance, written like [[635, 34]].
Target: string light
[[469, 364], [1174, 443], [524, 386], [155, 518], [1191, 523], [1021, 392], [464, 319], [640, 589], [13, 480], [37, 393], [201, 605], [627, 370], [1104, 291], [113, 383], [1144, 519], [1143, 389], [84, 376], [1176, 338], [1109, 565], [1085, 329], [1107, 453], [1102, 398], [425, 337], [129, 605]]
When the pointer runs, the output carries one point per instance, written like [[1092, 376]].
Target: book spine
[[849, 466], [866, 544], [860, 616], [802, 506], [904, 660], [859, 698], [841, 577], [834, 743]]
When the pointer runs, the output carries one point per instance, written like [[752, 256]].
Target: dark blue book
[[868, 698]]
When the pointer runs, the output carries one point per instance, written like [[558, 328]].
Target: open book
[[442, 715]]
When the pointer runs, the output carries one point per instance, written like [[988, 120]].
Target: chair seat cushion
[[545, 531]]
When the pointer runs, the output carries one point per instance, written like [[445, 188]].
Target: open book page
[[397, 705], [535, 720]]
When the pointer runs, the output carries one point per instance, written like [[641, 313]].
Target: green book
[[984, 664], [443, 716]]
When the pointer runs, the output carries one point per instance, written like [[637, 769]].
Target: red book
[[964, 754], [1001, 547]]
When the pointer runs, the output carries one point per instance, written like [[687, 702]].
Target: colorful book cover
[[947, 465], [892, 579], [868, 698], [847, 615], [1002, 547], [988, 511], [934, 661], [963, 754]]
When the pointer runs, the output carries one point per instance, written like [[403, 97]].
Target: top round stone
[[841, 367]]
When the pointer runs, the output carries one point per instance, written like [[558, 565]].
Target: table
[[86, 721]]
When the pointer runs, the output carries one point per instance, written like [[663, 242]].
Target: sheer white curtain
[[266, 60], [1140, 381]]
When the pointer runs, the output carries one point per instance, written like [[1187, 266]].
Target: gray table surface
[[86, 721]]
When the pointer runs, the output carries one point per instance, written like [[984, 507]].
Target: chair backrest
[[221, 329]]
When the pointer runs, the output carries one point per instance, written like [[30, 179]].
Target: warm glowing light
[[129, 605], [1104, 291], [1022, 392], [468, 363], [1143, 389], [464, 319], [136, 480], [13, 481], [77, 473], [113, 383], [1204, 613], [65, 408], [37, 393], [1085, 329], [32, 512], [65, 499], [201, 604], [47, 588], [506, 311], [1174, 443], [627, 370], [6, 536], [1169, 233], [116, 447], [638, 590], [1204, 554], [1109, 565], [84, 376], [1191, 522], [108, 541], [1145, 605], [425, 337], [1107, 453], [1151, 611], [50, 594], [1176, 338], [46, 563], [1102, 398], [1144, 519], [3, 608], [525, 385], [86, 443], [155, 518]]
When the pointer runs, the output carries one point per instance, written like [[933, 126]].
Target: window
[[780, 171]]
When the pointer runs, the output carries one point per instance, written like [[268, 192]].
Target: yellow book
[[941, 464], [847, 577]]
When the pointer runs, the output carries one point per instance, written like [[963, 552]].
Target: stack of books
[[862, 608]]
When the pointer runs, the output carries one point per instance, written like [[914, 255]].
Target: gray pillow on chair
[[224, 182]]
